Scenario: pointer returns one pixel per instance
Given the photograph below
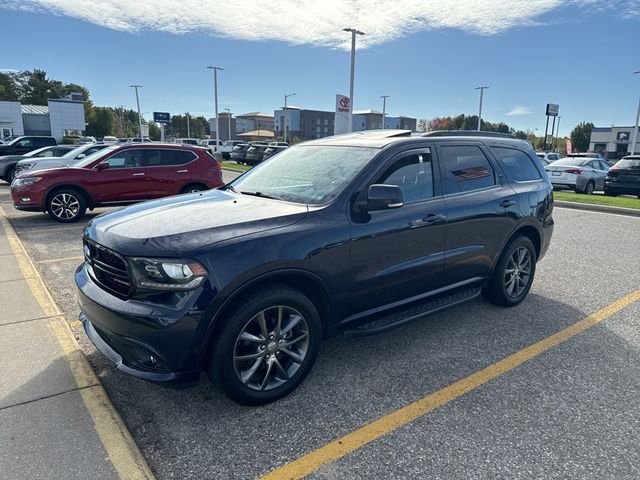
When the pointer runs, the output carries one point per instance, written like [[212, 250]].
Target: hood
[[45, 162], [176, 226], [49, 170]]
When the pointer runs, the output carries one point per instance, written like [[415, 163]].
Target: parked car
[[278, 144], [239, 152], [227, 147], [8, 163], [26, 144], [254, 153], [583, 174], [376, 229], [211, 145], [117, 175], [548, 157], [109, 139], [271, 151], [67, 160], [187, 141], [87, 140], [624, 177]]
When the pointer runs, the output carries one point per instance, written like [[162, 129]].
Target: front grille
[[109, 269]]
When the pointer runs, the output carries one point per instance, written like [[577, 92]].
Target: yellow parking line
[[116, 439], [337, 449], [63, 259]]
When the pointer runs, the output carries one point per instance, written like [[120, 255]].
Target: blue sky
[[579, 54]]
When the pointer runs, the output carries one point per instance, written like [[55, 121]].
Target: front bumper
[[28, 198], [146, 340]]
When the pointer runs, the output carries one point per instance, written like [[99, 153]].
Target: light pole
[[215, 96], [229, 121], [354, 32], [384, 107], [482, 89], [284, 122], [635, 129], [188, 126], [555, 143], [138, 103]]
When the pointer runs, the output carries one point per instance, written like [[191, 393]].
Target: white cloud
[[310, 21], [519, 110]]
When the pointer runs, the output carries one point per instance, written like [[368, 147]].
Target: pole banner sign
[[342, 122]]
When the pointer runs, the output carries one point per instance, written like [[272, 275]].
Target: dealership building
[[59, 118], [613, 142]]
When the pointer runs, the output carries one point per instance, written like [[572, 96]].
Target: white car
[[211, 145], [583, 174], [68, 159], [548, 157]]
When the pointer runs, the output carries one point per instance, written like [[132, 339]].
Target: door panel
[[481, 211], [123, 181], [168, 171], [398, 254]]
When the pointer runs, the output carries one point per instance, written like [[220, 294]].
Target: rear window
[[628, 163], [519, 165], [465, 168], [570, 161]]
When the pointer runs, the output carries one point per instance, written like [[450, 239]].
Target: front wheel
[[513, 275], [266, 346], [66, 206]]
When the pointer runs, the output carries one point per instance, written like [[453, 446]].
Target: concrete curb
[[632, 212], [124, 454]]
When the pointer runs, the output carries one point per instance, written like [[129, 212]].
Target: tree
[[581, 136], [423, 125], [101, 121], [8, 87]]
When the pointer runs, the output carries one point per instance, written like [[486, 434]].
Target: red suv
[[117, 175]]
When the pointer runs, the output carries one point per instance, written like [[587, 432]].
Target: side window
[[465, 168], [126, 159], [413, 174], [46, 153], [153, 157], [518, 165], [25, 142], [604, 166]]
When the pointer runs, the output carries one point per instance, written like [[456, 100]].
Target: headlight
[[21, 182], [167, 274]]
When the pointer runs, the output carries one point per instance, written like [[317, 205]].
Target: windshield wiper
[[262, 195], [230, 187]]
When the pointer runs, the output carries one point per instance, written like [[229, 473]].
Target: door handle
[[507, 203], [137, 175], [182, 171], [428, 220]]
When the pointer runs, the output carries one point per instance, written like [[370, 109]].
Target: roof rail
[[377, 134], [466, 133]]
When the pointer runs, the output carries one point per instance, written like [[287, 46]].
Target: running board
[[413, 312]]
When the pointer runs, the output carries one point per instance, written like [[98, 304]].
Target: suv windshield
[[572, 161], [305, 174], [94, 156], [628, 163]]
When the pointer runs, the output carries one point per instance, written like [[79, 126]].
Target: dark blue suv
[[356, 233]]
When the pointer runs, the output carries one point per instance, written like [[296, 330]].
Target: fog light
[[25, 199]]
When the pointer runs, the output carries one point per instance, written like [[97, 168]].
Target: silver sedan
[[582, 174]]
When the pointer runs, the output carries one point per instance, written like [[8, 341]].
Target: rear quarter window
[[518, 165]]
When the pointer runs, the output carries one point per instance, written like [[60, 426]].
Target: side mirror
[[102, 166], [82, 155], [383, 197]]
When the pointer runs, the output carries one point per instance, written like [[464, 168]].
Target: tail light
[[575, 171]]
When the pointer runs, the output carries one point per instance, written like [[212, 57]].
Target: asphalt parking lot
[[570, 412]]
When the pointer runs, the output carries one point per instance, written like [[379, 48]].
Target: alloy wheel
[[271, 348], [518, 272], [65, 206]]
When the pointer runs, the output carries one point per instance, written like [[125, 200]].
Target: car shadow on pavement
[[354, 381]]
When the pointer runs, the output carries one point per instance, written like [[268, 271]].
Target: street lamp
[[557, 139], [215, 96], [229, 121], [482, 89], [635, 129], [138, 103], [284, 122], [384, 107], [354, 32], [188, 126]]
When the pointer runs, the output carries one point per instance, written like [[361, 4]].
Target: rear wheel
[[66, 205], [513, 275], [266, 346]]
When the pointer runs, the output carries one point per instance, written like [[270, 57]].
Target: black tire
[[497, 291], [589, 188], [269, 361], [193, 188], [66, 205], [609, 193], [10, 174]]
